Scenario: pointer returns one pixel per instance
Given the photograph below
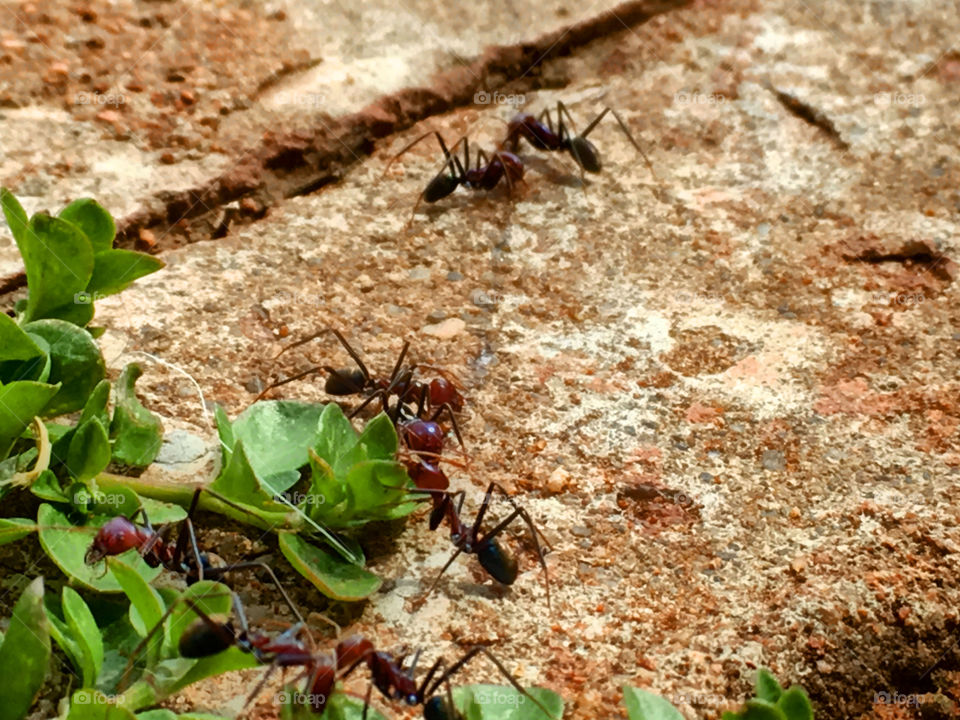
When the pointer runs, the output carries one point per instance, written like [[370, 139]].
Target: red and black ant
[[437, 393], [120, 534], [206, 637], [486, 173], [544, 137]]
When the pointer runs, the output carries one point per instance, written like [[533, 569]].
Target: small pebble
[[581, 531], [436, 316], [774, 460], [445, 329], [454, 276], [419, 273]]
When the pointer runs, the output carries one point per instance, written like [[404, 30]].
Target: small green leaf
[[12, 529], [25, 653], [114, 270], [239, 482], [277, 434], [76, 363], [146, 607], [85, 632], [335, 435], [504, 702], [62, 635], [795, 704], [380, 438], [160, 714], [767, 686], [331, 575], [96, 404], [136, 431], [757, 709], [20, 402], [226, 661], [339, 707], [67, 545], [225, 432], [15, 344], [59, 261], [95, 222], [643, 705], [47, 487], [95, 705], [89, 452], [15, 215]]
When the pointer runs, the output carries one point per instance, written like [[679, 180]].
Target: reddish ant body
[[206, 637], [120, 534], [437, 393]]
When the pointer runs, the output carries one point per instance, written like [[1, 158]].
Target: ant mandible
[[486, 173]]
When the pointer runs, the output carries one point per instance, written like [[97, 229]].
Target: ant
[[438, 392], [544, 137], [120, 534], [485, 175]]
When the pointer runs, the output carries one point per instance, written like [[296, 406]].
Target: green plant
[[772, 702]]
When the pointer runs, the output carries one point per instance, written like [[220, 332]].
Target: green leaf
[[86, 634], [12, 529], [89, 452], [62, 635], [136, 431], [114, 270], [146, 607], [76, 363], [66, 545], [47, 487], [239, 482], [213, 598], [227, 661], [504, 702], [757, 709], [95, 222], [767, 686], [331, 575], [59, 262], [95, 705], [277, 434], [339, 707], [160, 714], [643, 705], [15, 215], [25, 653], [225, 432], [795, 704], [96, 404], [20, 402], [379, 436], [335, 435], [15, 344]]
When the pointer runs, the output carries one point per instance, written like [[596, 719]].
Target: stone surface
[[727, 393]]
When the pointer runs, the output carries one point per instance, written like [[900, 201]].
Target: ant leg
[[396, 366], [436, 580], [378, 393], [303, 341], [187, 534], [352, 353], [566, 137], [219, 572], [292, 378], [517, 512], [467, 657], [453, 420], [626, 131], [410, 146]]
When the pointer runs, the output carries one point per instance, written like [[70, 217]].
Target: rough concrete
[[728, 395]]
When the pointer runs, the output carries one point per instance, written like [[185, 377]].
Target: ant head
[[498, 562], [441, 186], [345, 382], [437, 708], [423, 436], [584, 153]]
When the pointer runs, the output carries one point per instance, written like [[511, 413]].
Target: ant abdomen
[[498, 561], [202, 640], [344, 382], [441, 186], [437, 708], [585, 154]]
